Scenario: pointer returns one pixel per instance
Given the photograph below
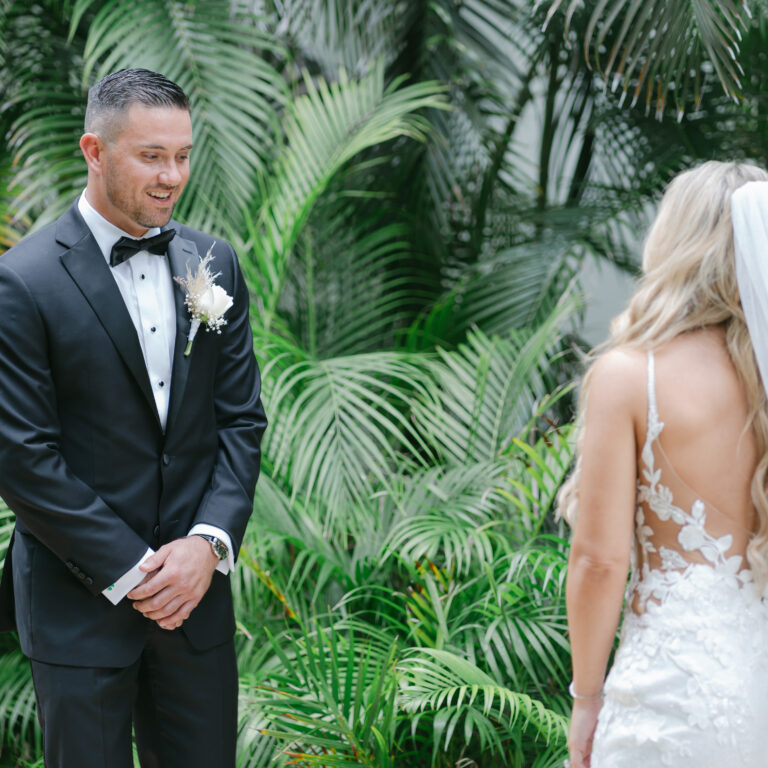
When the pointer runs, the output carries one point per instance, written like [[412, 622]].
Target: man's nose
[[170, 175]]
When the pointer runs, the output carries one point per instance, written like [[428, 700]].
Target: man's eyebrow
[[160, 146]]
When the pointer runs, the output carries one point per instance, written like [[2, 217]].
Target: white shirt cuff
[[228, 564], [127, 581]]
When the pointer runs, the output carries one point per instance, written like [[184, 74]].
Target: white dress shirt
[[146, 286]]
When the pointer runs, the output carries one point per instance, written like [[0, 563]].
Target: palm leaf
[[453, 689], [516, 627], [487, 390], [344, 428], [342, 34], [19, 727], [515, 288], [43, 108], [332, 700], [7, 522], [351, 283], [660, 46], [540, 471], [12, 225], [324, 130], [453, 516]]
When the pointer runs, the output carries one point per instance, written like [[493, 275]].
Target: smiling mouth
[[161, 196]]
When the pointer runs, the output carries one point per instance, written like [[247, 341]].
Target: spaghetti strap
[[653, 411], [653, 425]]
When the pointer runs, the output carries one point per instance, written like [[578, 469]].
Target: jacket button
[[88, 580], [80, 575], [166, 459], [156, 531]]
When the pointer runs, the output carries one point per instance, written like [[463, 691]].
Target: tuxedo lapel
[[182, 255], [87, 267]]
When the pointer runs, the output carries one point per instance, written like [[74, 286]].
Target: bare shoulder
[[618, 379]]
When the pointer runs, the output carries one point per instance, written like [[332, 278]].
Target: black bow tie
[[125, 247]]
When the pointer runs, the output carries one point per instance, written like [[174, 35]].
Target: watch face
[[220, 549]]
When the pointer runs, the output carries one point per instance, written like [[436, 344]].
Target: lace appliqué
[[692, 537]]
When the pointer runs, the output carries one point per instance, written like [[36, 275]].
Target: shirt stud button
[[153, 329], [142, 276], [161, 384]]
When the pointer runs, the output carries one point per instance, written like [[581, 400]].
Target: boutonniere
[[207, 302]]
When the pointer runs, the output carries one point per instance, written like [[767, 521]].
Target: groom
[[130, 466]]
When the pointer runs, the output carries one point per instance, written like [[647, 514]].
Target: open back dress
[[689, 682]]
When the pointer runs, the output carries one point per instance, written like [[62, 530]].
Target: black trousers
[[182, 704]]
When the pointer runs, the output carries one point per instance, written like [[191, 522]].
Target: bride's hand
[[582, 731]]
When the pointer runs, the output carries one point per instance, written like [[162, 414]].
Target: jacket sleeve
[[240, 422], [51, 503]]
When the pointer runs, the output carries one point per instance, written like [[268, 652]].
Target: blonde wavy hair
[[689, 282]]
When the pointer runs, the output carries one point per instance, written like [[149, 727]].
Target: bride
[[672, 483]]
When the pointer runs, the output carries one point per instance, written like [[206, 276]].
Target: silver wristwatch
[[220, 549]]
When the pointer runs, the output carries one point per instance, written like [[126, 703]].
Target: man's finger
[[156, 560], [163, 610], [149, 587], [177, 619]]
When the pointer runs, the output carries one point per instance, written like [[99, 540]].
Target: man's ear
[[93, 148]]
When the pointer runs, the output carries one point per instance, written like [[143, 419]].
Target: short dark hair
[[114, 94]]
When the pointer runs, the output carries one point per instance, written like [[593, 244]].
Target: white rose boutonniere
[[207, 302]]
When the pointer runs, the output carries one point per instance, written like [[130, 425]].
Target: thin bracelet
[[579, 697]]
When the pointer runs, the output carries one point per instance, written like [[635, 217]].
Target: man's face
[[145, 168]]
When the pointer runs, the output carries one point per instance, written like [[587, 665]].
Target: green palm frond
[[351, 283], [43, 108], [216, 53], [657, 46], [342, 34], [254, 748], [293, 559], [457, 693], [7, 522], [288, 561], [49, 176], [515, 288], [330, 699], [516, 625], [487, 390], [453, 516], [539, 471], [324, 130], [19, 728], [490, 52], [12, 225], [462, 516], [344, 428], [508, 617]]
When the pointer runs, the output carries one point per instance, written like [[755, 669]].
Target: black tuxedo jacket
[[84, 463]]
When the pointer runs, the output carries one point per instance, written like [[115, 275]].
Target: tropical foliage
[[413, 188]]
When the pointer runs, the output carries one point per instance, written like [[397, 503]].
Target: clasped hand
[[178, 575]]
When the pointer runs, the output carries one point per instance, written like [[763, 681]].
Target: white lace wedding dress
[[689, 683]]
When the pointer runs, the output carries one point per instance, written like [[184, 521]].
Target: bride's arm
[[602, 540]]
